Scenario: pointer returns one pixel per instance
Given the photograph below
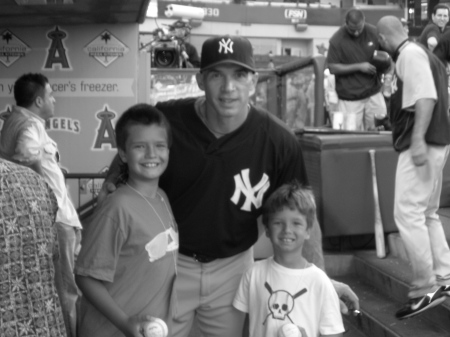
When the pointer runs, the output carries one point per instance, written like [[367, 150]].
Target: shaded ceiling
[[70, 12]]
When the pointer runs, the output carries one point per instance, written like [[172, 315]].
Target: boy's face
[[146, 153], [287, 230]]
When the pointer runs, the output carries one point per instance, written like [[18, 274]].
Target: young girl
[[127, 265]]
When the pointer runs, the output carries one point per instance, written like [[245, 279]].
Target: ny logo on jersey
[[253, 195], [226, 46]]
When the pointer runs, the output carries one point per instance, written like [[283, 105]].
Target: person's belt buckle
[[202, 258]]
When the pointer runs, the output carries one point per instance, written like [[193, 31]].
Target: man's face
[[383, 43], [47, 103], [228, 88], [354, 29], [179, 32], [441, 17]]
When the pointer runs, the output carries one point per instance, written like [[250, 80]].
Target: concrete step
[[377, 314], [390, 277]]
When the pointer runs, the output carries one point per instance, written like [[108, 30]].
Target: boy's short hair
[[140, 114], [294, 196], [28, 87]]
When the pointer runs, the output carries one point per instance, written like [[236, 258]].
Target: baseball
[[289, 330], [156, 328]]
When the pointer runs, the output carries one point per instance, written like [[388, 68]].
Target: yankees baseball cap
[[227, 49]]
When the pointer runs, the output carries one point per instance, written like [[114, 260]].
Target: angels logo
[[106, 48], [11, 48], [63, 124], [57, 55], [105, 132]]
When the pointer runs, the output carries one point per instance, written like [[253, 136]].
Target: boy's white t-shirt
[[274, 295]]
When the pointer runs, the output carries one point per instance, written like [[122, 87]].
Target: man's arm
[[345, 69], [424, 112], [28, 149]]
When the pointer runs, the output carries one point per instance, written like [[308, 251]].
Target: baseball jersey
[[418, 75], [217, 186], [430, 30]]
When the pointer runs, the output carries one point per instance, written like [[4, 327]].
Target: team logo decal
[[106, 48], [63, 124], [57, 55], [296, 15], [11, 48], [253, 194], [105, 132], [226, 46]]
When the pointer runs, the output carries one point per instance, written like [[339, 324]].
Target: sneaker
[[419, 304], [445, 290]]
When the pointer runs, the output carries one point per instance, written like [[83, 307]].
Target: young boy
[[127, 265], [286, 288]]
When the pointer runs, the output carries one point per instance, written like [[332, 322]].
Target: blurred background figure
[[405, 25], [182, 30], [432, 32]]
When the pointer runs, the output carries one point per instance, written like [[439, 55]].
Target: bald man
[[358, 84], [421, 134]]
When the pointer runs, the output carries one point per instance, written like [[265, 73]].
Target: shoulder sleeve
[[333, 55], [242, 298], [413, 68], [28, 148], [102, 240], [434, 32], [330, 318]]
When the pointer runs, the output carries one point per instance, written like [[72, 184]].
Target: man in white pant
[[421, 133]]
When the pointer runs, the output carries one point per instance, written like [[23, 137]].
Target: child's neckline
[[156, 194], [304, 265]]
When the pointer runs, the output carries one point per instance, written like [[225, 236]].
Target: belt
[[197, 257]]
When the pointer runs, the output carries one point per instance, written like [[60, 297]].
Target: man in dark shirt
[[358, 83], [432, 32]]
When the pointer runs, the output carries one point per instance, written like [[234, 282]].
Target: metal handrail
[[85, 210]]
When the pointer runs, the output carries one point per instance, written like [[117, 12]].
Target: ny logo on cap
[[226, 46]]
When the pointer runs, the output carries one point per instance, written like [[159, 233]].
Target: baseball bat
[[378, 224]]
